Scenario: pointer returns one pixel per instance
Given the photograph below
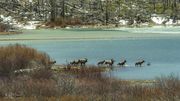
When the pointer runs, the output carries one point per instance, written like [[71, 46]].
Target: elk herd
[[110, 63]]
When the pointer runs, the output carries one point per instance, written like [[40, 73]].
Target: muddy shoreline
[[11, 33]]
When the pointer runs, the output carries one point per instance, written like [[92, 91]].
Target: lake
[[157, 45]]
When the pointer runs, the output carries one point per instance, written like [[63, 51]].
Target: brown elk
[[122, 63], [139, 63], [74, 62], [109, 62], [100, 62]]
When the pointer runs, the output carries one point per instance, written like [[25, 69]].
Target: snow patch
[[163, 20], [170, 22], [178, 22], [158, 20], [16, 24], [145, 24], [123, 22], [6, 19], [31, 25]]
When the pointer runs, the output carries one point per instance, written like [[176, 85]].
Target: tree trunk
[[53, 10], [107, 12], [154, 6], [63, 9]]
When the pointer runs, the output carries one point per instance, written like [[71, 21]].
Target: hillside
[[85, 12]]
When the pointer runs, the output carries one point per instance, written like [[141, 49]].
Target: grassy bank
[[65, 87], [72, 84], [10, 33]]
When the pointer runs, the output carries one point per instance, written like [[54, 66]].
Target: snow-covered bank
[[159, 20], [28, 25], [15, 24], [156, 19]]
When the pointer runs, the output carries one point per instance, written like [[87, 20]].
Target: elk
[[109, 62], [122, 63], [83, 61], [74, 62], [139, 63], [100, 62]]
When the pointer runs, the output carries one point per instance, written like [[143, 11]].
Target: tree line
[[95, 11]]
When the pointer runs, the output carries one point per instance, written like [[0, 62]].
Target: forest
[[90, 11]]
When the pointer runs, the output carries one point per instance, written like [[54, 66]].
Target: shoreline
[[97, 27], [11, 33], [101, 26], [132, 82], [87, 39]]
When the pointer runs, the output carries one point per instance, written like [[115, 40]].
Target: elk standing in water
[[122, 63], [100, 63], [139, 63], [109, 62]]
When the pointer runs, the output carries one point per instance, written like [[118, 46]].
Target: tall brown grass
[[91, 72], [15, 57], [65, 87]]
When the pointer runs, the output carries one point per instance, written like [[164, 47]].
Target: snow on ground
[[123, 22], [31, 25], [178, 22], [158, 20], [28, 25], [170, 22], [16, 24], [145, 24]]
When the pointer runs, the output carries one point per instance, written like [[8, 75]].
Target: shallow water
[[161, 49]]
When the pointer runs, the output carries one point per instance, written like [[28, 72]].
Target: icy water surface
[[159, 46]]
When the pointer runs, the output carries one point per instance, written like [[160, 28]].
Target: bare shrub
[[20, 87], [42, 73], [91, 72], [15, 57], [83, 84], [65, 84], [170, 86]]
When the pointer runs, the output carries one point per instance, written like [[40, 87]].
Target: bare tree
[[53, 10]]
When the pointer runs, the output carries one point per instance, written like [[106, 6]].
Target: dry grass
[[91, 72], [15, 57], [43, 73], [10, 33], [65, 87]]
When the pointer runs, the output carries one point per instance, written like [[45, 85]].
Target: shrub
[[170, 86], [42, 74], [28, 87], [16, 57]]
